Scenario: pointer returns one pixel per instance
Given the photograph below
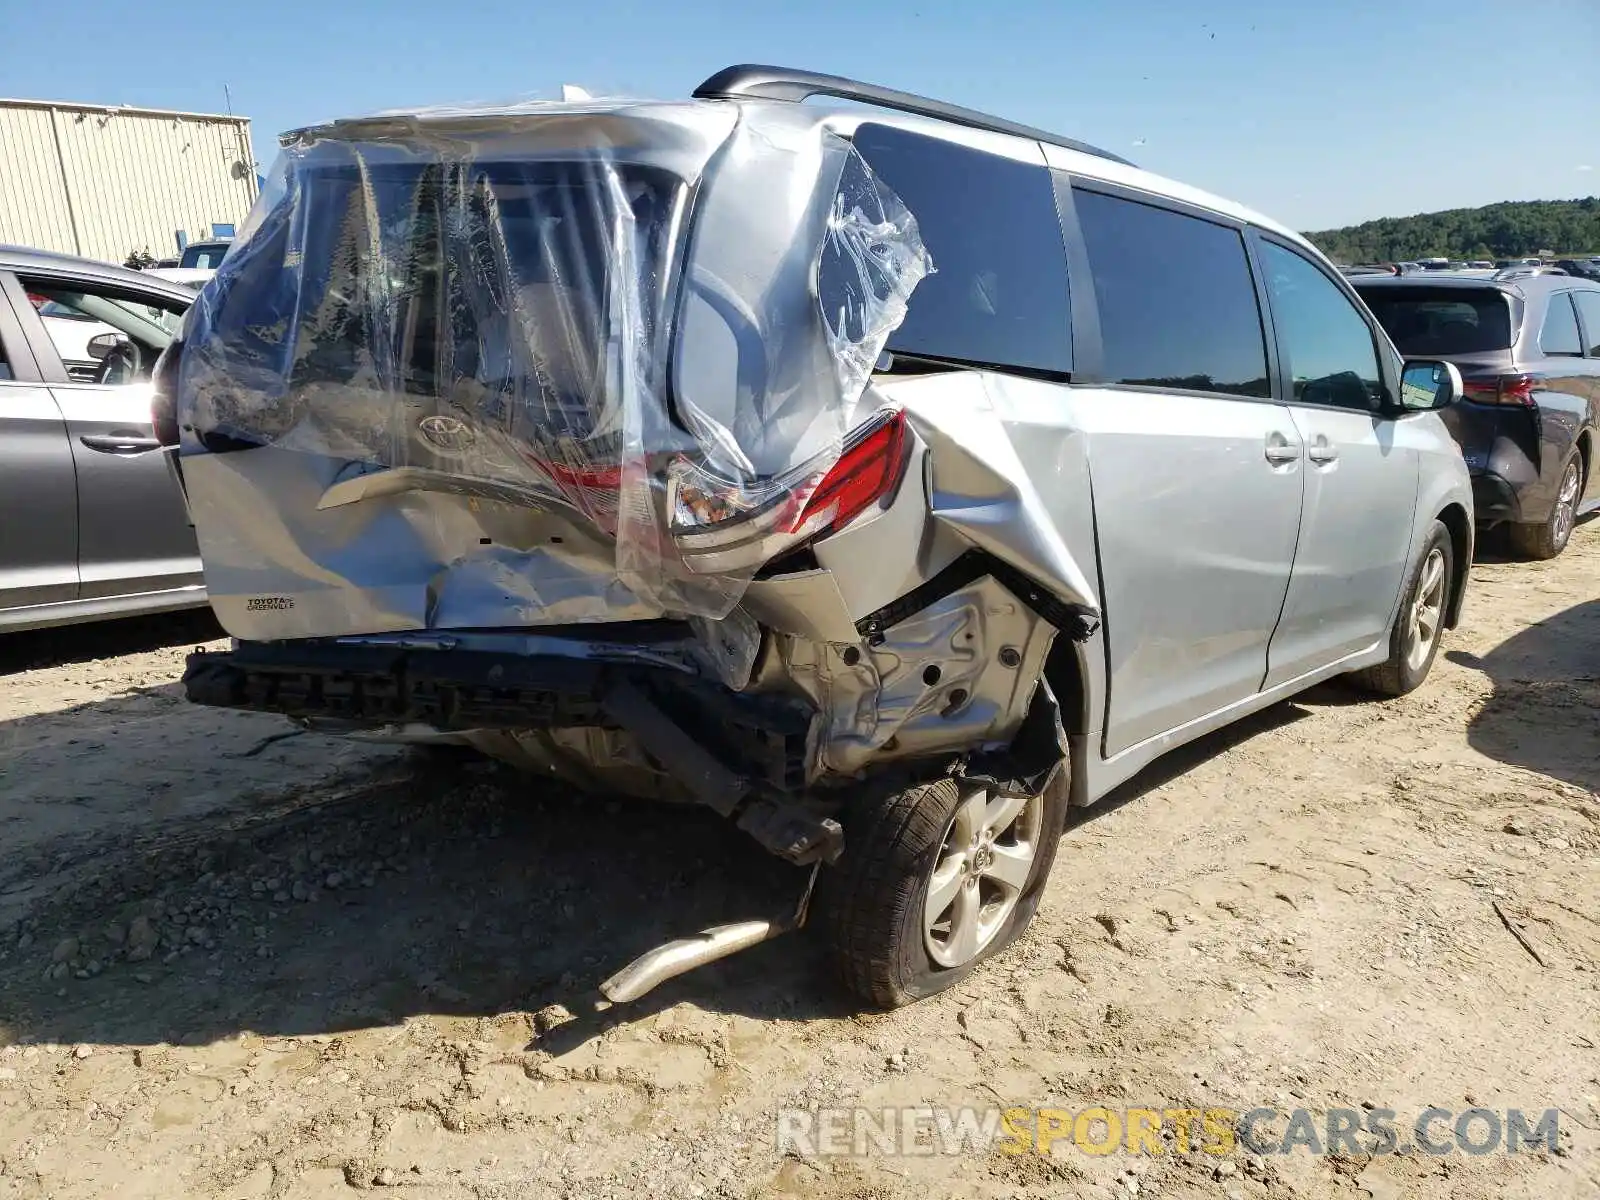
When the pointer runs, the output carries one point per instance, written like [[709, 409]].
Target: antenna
[[228, 96]]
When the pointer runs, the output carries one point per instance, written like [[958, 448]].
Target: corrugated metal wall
[[103, 183]]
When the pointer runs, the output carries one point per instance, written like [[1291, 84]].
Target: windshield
[[1424, 321]]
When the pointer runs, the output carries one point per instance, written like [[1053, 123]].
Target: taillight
[[594, 490], [867, 472], [723, 527], [164, 400], [1515, 388]]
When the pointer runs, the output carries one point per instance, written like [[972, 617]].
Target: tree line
[[1511, 229]]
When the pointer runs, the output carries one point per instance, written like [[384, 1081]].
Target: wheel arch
[[1454, 518], [1067, 674]]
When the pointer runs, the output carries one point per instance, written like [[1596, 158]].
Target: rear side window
[[1589, 305], [1424, 321], [1177, 304], [998, 294], [1559, 334]]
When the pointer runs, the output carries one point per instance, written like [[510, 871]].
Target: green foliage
[[1509, 230]]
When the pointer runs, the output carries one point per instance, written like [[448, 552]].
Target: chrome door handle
[[120, 443], [1280, 450], [1322, 451]]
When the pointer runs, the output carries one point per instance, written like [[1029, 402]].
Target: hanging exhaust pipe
[[668, 961], [655, 967]]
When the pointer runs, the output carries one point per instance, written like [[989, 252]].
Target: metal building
[[105, 181]]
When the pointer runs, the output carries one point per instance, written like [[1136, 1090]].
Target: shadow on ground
[[104, 639], [466, 893], [1544, 714], [424, 887], [1186, 757]]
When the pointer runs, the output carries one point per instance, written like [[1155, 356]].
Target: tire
[[1427, 591], [872, 904], [1550, 538]]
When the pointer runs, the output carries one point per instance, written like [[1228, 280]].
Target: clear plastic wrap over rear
[[661, 317]]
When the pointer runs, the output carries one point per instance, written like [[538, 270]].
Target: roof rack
[[1526, 272], [782, 83]]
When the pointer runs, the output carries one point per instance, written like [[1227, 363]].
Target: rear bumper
[[725, 747], [743, 755], [1494, 500], [1511, 460]]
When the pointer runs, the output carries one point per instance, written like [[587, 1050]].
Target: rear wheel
[[1550, 538], [934, 880], [1414, 642]]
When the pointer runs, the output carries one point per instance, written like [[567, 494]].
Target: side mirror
[[1429, 385], [104, 344]]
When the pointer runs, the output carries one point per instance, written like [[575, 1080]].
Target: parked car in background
[[850, 580], [91, 521], [1582, 267], [204, 256], [1481, 264], [197, 264], [1528, 347]]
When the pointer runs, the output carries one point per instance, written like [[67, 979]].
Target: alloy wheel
[[1427, 611], [1566, 512], [984, 862]]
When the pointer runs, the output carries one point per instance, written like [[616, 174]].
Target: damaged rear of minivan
[[578, 433]]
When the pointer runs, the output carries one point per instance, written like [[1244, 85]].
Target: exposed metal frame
[[753, 81]]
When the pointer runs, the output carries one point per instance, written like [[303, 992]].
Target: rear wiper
[[949, 363]]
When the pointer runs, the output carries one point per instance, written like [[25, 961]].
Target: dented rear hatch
[[544, 365]]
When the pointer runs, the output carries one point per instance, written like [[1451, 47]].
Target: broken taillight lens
[[721, 526]]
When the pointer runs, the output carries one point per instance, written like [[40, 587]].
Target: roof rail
[[1527, 272], [782, 83]]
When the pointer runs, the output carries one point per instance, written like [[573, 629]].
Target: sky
[[1317, 114]]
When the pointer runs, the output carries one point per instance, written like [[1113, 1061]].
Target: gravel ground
[[238, 965]]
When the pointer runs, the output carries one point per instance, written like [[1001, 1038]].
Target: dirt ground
[[238, 967]]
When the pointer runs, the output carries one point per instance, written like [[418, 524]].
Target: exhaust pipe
[[655, 967]]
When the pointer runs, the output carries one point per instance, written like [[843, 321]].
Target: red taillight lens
[[584, 478], [721, 527], [868, 471], [1515, 389]]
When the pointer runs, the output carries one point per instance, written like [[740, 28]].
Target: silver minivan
[[882, 475]]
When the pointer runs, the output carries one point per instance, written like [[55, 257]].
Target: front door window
[[102, 337]]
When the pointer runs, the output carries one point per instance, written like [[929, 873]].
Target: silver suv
[[886, 479]]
